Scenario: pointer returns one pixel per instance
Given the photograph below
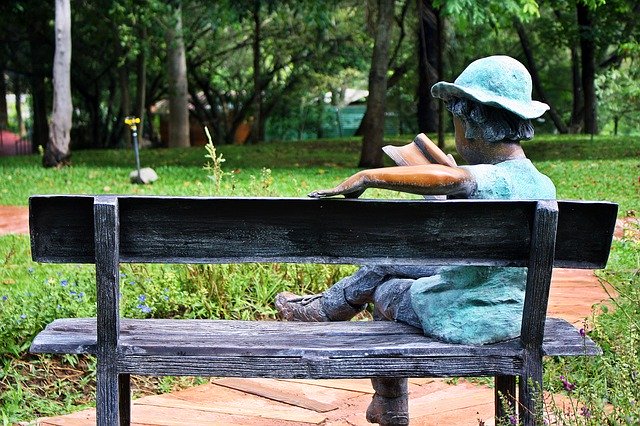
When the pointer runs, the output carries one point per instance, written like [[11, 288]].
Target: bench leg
[[124, 384], [107, 391], [505, 396], [530, 385]]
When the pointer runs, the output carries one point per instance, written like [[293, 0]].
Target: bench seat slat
[[318, 367], [193, 338]]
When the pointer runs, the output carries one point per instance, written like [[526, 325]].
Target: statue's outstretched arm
[[430, 179]]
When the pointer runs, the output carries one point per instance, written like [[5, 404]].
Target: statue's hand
[[353, 187]]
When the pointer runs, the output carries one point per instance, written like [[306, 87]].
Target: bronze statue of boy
[[492, 110]]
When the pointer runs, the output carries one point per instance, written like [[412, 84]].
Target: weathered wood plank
[[585, 232], [274, 392], [318, 367], [539, 271], [216, 230], [231, 403], [236, 338], [543, 240], [108, 382], [352, 385]]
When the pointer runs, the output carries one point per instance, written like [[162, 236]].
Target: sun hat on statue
[[499, 81]]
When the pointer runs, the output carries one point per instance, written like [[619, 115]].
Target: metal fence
[[12, 144]]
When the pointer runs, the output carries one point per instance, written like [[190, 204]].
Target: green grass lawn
[[605, 168], [32, 295]]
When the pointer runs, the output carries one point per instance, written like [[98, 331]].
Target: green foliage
[[618, 90], [213, 167], [606, 389], [468, 13]]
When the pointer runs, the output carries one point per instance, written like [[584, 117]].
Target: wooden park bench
[[108, 230]]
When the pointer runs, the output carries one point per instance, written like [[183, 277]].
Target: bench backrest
[[236, 230], [108, 230]]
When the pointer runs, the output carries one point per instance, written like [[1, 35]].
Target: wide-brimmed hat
[[499, 81]]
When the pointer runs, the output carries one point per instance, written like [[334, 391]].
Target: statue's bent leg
[[341, 302], [347, 297], [390, 404], [392, 302]]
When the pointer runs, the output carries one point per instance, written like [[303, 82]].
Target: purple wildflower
[[568, 386], [64, 283], [5, 297], [144, 308], [582, 333], [23, 316], [142, 298], [513, 419], [585, 412]]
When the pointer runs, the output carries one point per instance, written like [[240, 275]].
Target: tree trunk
[[17, 90], [57, 152], [371, 154], [125, 97], [427, 66], [537, 85], [4, 116], [441, 109], [141, 81], [257, 128], [178, 89], [38, 51], [588, 60], [577, 115]]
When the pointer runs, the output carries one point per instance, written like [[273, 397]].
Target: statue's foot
[[388, 411], [328, 306], [301, 308]]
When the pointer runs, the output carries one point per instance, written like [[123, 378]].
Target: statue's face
[[463, 145]]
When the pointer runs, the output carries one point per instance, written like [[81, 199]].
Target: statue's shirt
[[477, 304]]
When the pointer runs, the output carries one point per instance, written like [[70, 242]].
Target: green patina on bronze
[[499, 81]]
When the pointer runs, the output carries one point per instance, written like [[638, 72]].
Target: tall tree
[[141, 79], [4, 116], [39, 60], [373, 135], [588, 62], [17, 90], [535, 77], [57, 152], [257, 132], [577, 117], [177, 80], [429, 46]]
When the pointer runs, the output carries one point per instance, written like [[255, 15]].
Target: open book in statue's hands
[[419, 152]]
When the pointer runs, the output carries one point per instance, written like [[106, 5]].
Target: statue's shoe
[[292, 307], [388, 411], [328, 306]]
